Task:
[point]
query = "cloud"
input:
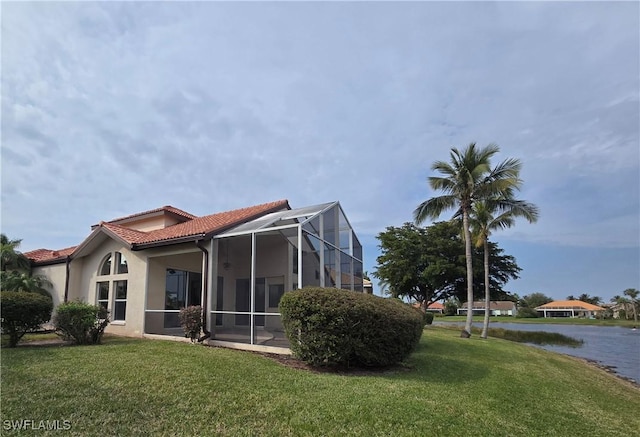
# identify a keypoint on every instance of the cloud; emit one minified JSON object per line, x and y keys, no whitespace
{"x":113,"y":108}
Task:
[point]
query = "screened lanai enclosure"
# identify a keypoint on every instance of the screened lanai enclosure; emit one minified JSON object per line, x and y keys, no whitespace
{"x":242,"y":273}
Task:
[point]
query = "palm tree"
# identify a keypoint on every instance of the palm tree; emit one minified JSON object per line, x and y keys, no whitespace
{"x":25,"y":282}
{"x":483,"y":222}
{"x":466,"y":179}
{"x":10,"y":257}
{"x":633,"y":300}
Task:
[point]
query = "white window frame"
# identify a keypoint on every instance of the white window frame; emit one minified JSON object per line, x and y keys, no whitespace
{"x":115,"y":258}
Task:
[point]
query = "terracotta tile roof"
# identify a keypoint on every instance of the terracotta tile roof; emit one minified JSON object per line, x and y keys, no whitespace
{"x":213,"y":223}
{"x":570,"y":304}
{"x":193,"y":227}
{"x":167,"y":208}
{"x":48,"y":255}
{"x":131,"y":236}
{"x":436,"y":306}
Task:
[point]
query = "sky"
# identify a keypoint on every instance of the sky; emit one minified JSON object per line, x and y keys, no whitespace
{"x":109,"y":109}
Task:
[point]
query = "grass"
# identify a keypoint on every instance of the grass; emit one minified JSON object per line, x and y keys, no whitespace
{"x":449,"y":387}
{"x":30,"y":338}
{"x":535,"y":337}
{"x":541,"y":320}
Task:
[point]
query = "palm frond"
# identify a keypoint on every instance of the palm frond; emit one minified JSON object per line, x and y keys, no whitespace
{"x":433,"y":208}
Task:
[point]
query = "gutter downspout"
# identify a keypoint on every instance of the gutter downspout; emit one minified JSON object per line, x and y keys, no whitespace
{"x":205,"y":285}
{"x":66,"y":278}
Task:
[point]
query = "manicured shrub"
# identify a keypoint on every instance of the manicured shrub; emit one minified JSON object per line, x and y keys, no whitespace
{"x":81,"y":322}
{"x":330,"y":327}
{"x":191,"y":321}
{"x":527,"y":313}
{"x":428,"y":318}
{"x":23,"y":312}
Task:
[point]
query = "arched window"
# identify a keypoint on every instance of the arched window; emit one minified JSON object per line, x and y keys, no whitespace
{"x":111,"y":290}
{"x":121,"y":264}
{"x":105,"y":267}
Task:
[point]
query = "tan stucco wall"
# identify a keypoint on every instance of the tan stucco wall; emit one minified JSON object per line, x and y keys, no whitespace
{"x":151,"y":223}
{"x":136,"y":285}
{"x":56,"y":274}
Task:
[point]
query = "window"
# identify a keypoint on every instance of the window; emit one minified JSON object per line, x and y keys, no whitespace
{"x":111,"y":290}
{"x":103,"y":294}
{"x":120,"y":301}
{"x":121,"y":264}
{"x":105,"y":267}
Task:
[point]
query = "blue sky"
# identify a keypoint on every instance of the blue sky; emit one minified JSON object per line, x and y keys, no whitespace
{"x":110,"y":109}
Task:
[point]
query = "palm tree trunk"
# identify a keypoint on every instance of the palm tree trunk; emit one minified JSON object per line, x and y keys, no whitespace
{"x":487,"y":297}
{"x":467,"y":240}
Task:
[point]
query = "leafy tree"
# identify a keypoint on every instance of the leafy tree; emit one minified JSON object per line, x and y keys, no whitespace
{"x":425,"y":264}
{"x":451,"y":306}
{"x":534,"y":300}
{"x":483,"y":222}
{"x":468,"y":177}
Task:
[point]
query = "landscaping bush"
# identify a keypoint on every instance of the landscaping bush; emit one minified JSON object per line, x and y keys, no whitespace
{"x":191,"y":321}
{"x":527,"y":313}
{"x":330,"y":327}
{"x":81,"y":322}
{"x":428,"y":318}
{"x":23,"y":312}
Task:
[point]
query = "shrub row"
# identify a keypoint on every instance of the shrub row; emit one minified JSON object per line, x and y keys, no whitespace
{"x":23,"y":312}
{"x":331,"y":327}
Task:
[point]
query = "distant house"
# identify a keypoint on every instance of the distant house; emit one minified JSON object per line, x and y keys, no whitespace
{"x":367,"y":286}
{"x":436,"y":307}
{"x":569,"y":308}
{"x":496,"y":308}
{"x":145,"y":267}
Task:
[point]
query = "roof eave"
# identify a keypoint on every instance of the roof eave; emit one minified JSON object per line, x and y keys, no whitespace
{"x":169,"y":242}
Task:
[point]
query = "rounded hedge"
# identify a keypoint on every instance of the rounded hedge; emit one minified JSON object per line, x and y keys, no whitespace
{"x":23,"y":312}
{"x":331,"y":327}
{"x":81,"y":322}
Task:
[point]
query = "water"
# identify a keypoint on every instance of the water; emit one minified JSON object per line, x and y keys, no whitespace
{"x":613,"y":346}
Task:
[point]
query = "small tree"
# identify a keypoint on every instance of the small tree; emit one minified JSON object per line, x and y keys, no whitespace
{"x":191,"y":321}
{"x":23,"y":312}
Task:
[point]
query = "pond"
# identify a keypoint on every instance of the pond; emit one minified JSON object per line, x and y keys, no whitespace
{"x":612,"y":346}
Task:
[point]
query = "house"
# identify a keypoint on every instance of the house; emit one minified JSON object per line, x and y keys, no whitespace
{"x":368,"y":286}
{"x":569,"y":308}
{"x":435,"y":307}
{"x":237,"y":264}
{"x":496,"y":308}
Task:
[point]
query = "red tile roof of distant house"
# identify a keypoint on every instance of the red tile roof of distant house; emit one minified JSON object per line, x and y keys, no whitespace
{"x":48,"y":255}
{"x":435,"y":306}
{"x":570,"y":304}
{"x":194,"y":227}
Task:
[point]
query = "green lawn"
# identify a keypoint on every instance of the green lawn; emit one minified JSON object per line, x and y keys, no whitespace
{"x":541,"y":320}
{"x":452,"y":386}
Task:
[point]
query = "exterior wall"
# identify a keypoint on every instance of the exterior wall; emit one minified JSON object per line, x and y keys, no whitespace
{"x":57,"y":274}
{"x":136,"y":285}
{"x":150,"y":223}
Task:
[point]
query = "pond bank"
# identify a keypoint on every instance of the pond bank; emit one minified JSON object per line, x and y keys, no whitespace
{"x":613,"y":347}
